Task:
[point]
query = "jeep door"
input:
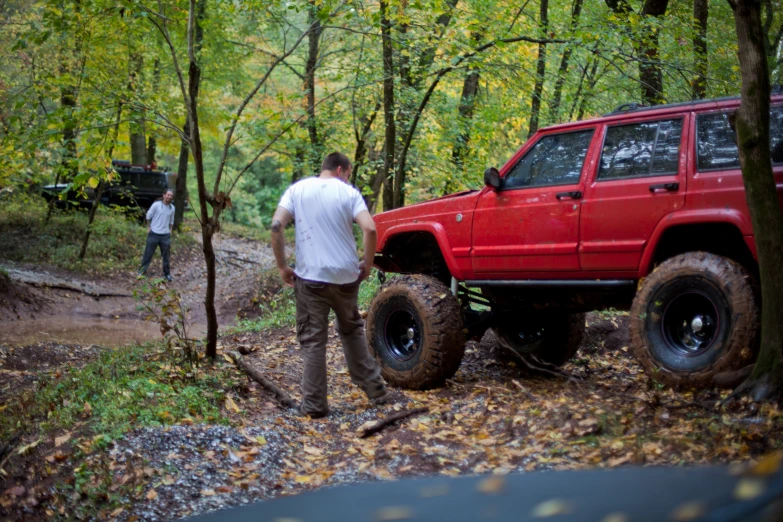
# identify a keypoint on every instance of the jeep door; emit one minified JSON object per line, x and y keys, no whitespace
{"x":639,"y":179}
{"x":531,"y":225}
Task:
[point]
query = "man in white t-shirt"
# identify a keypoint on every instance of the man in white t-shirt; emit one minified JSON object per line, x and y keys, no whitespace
{"x":160,"y":220}
{"x":327,"y":276}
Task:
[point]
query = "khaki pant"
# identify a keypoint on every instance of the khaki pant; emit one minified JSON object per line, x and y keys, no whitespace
{"x":313,"y":301}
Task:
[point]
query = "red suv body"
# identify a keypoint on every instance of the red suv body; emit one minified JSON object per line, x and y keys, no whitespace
{"x":600,"y":223}
{"x":643,"y":210}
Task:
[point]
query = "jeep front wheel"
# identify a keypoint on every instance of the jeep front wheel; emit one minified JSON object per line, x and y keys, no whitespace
{"x":552,"y":339}
{"x":415,"y":331}
{"x":694,"y":317}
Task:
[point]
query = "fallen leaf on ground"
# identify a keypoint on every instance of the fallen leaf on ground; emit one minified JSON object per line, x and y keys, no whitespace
{"x":231,"y":405}
{"x":748,"y":489}
{"x":26,"y":449}
{"x":689,"y":511}
{"x":59,"y":441}
{"x":152,"y":494}
{"x":18,"y":491}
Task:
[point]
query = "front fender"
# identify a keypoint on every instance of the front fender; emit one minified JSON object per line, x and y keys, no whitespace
{"x":437,"y":231}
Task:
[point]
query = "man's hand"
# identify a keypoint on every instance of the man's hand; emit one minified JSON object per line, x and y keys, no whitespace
{"x":287,"y":275}
{"x":365,"y":269}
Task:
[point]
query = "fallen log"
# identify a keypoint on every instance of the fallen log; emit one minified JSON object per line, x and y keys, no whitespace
{"x":257,"y":376}
{"x":375,"y":427}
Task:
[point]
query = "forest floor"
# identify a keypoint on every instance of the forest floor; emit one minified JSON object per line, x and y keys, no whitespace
{"x":91,"y":430}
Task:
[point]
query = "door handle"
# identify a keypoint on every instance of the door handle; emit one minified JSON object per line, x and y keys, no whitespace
{"x":575,"y":194}
{"x":671,"y":187}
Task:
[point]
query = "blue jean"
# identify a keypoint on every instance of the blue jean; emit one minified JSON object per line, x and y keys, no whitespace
{"x":153,"y":241}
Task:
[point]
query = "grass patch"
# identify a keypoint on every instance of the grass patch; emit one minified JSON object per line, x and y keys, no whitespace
{"x":116,"y":242}
{"x":123,"y":389}
{"x":278,"y":305}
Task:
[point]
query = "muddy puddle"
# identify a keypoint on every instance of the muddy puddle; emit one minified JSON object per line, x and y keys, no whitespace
{"x":82,"y":330}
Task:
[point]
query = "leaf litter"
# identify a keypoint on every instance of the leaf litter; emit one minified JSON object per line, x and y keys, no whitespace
{"x":488,"y":419}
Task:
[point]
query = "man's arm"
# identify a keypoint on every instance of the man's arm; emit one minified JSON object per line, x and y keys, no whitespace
{"x":279,"y":221}
{"x":150,"y":215}
{"x":366,"y":223}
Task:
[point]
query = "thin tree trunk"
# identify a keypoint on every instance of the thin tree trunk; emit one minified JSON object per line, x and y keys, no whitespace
{"x":152,"y":141}
{"x":467,"y":104}
{"x":752,"y":123}
{"x":101,"y":184}
{"x":181,"y":189}
{"x":390,"y":139}
{"x":69,"y":165}
{"x":360,"y":154}
{"x":313,"y":38}
{"x":138,"y":137}
{"x":538,"y":88}
{"x":650,"y":71}
{"x":562,"y":71}
{"x":592,"y":79}
{"x":700,"y":57}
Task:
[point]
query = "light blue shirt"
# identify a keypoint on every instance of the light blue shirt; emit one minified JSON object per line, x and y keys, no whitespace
{"x":161,"y":217}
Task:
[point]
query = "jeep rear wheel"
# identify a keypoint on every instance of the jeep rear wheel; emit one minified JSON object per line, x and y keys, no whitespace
{"x":694,"y":317}
{"x":552,"y":339}
{"x":415,"y":331}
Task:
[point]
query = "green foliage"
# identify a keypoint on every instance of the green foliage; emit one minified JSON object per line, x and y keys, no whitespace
{"x":123,"y":389}
{"x":117,"y":240}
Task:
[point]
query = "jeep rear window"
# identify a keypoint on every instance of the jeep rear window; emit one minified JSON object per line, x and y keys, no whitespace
{"x":717,"y":143}
{"x":639,"y":150}
{"x":556,"y":159}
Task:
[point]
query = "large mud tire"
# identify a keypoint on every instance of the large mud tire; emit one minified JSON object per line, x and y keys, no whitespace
{"x":695,"y":316}
{"x":556,"y":339}
{"x":424,"y":307}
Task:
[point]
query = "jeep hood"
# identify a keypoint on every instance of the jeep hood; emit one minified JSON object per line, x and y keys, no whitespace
{"x":459,"y":202}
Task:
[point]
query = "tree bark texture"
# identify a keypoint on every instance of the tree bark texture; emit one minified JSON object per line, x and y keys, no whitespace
{"x":313,"y":38}
{"x":538,"y":88}
{"x":562,"y":71}
{"x":390,"y":138}
{"x":700,"y":58}
{"x":650,"y":71}
{"x":467,"y":104}
{"x":138,"y":135}
{"x":181,"y":189}
{"x":752,"y":124}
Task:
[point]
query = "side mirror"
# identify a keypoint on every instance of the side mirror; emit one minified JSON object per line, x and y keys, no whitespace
{"x":492,"y":178}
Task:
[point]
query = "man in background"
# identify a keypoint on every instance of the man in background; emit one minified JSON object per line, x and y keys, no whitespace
{"x":327,"y":276}
{"x":160,"y":220}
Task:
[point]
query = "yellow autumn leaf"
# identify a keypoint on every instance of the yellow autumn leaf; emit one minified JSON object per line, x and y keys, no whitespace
{"x":493,"y":484}
{"x":688,"y":511}
{"x":231,"y":405}
{"x":551,"y":508}
{"x":748,"y":489}
{"x":768,"y":465}
{"x":152,"y":494}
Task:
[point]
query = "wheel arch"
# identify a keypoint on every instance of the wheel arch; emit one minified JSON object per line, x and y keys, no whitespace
{"x":722,"y":233}
{"x":417,"y":248}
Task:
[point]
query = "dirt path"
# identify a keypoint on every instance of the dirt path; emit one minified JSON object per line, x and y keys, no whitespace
{"x":54,"y":305}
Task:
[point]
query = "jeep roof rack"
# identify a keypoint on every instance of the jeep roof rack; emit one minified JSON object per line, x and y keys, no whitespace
{"x":635,"y":106}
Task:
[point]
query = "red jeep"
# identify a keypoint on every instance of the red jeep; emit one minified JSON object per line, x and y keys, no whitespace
{"x":642,"y":210}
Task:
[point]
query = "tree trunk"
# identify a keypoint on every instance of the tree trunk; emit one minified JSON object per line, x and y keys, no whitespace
{"x":360,"y":154}
{"x":562,"y":71}
{"x":592,"y":79}
{"x":752,"y":124}
{"x":538,"y":88}
{"x":152,"y":141}
{"x":467,"y":104}
{"x":650,"y":71}
{"x":390,"y":139}
{"x":101,"y":184}
{"x":138,"y":137}
{"x":313,"y":38}
{"x":700,"y":58}
{"x":181,"y":189}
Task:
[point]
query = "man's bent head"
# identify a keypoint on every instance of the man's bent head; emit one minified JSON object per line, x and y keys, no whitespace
{"x":339,"y":165}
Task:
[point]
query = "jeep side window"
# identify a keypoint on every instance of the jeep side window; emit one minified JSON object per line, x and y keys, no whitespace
{"x":717,"y":143}
{"x":641,"y":149}
{"x":556,"y":159}
{"x":776,"y":135}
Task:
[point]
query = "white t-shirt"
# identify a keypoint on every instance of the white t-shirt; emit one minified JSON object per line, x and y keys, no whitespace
{"x":161,"y":217}
{"x":324,"y":211}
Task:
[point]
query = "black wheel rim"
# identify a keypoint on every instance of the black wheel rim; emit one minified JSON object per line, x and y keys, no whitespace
{"x":525,"y":338}
{"x":403,"y":335}
{"x":690,"y":323}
